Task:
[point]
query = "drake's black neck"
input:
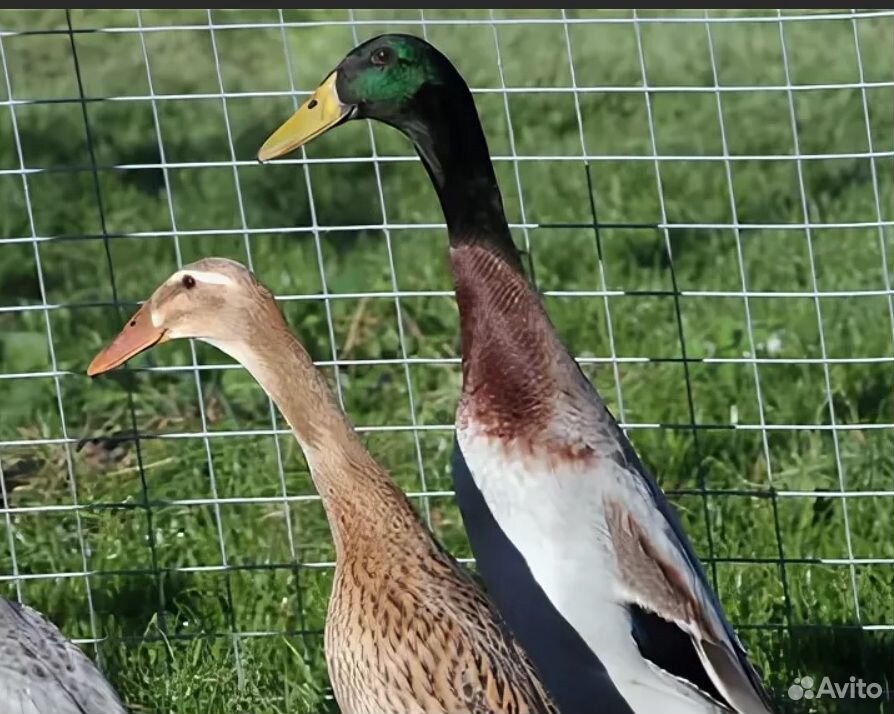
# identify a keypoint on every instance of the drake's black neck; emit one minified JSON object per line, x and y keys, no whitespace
{"x":448,"y":137}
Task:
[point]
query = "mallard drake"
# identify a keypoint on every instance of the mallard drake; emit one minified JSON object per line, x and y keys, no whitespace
{"x":564,"y":520}
{"x":41,"y":671}
{"x":408,"y":630}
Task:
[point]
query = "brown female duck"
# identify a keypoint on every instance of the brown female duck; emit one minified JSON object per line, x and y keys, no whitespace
{"x":408,"y":631}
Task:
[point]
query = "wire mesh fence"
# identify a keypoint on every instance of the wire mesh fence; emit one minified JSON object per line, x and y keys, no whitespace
{"x":704,"y":200}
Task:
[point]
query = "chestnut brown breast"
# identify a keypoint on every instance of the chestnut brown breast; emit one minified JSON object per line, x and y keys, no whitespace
{"x":507,"y":346}
{"x":520,"y":385}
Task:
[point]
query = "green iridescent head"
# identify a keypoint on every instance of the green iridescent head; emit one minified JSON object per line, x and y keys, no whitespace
{"x":398,"y":79}
{"x":403,"y":81}
{"x":387,"y":72}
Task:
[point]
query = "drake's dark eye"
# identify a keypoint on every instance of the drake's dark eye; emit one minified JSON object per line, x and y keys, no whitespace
{"x":381,"y":56}
{"x":189,"y":282}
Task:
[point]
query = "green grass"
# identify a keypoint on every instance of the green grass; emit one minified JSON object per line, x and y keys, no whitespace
{"x":162,"y":614}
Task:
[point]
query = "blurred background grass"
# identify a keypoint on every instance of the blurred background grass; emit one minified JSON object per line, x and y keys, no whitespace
{"x":187,"y":540}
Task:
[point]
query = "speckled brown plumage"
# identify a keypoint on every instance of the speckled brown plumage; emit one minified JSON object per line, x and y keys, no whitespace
{"x":408,"y":630}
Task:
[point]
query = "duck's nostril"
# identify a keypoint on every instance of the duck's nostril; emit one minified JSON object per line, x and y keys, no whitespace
{"x":133,"y":322}
{"x":312,"y":103}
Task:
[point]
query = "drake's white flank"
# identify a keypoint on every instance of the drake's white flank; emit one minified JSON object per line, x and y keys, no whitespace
{"x":566,"y":544}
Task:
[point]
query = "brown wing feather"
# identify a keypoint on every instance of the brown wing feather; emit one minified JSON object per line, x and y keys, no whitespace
{"x":664,"y":588}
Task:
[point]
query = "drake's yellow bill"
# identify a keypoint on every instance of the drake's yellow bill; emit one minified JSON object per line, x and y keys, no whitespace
{"x":321,"y":112}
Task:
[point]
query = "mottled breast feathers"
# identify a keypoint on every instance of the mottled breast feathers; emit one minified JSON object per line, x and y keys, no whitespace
{"x":410,"y":632}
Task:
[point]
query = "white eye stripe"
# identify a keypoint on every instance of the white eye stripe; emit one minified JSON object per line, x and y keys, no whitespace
{"x":202,"y":277}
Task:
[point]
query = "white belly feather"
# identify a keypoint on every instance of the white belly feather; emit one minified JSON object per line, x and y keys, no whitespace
{"x":552,"y":510}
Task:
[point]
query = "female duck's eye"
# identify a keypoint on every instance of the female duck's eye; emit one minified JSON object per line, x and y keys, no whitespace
{"x":189,"y":282}
{"x":381,"y":56}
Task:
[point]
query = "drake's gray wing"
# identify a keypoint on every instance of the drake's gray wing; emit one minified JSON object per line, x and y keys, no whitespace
{"x":665,"y":577}
{"x":42,"y":672}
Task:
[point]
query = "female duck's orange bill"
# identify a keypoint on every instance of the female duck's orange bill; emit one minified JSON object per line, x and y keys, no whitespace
{"x":138,"y":335}
{"x":321,"y":112}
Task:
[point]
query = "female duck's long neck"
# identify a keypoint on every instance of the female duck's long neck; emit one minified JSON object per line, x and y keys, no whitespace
{"x":451,"y":143}
{"x":362,"y":503}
